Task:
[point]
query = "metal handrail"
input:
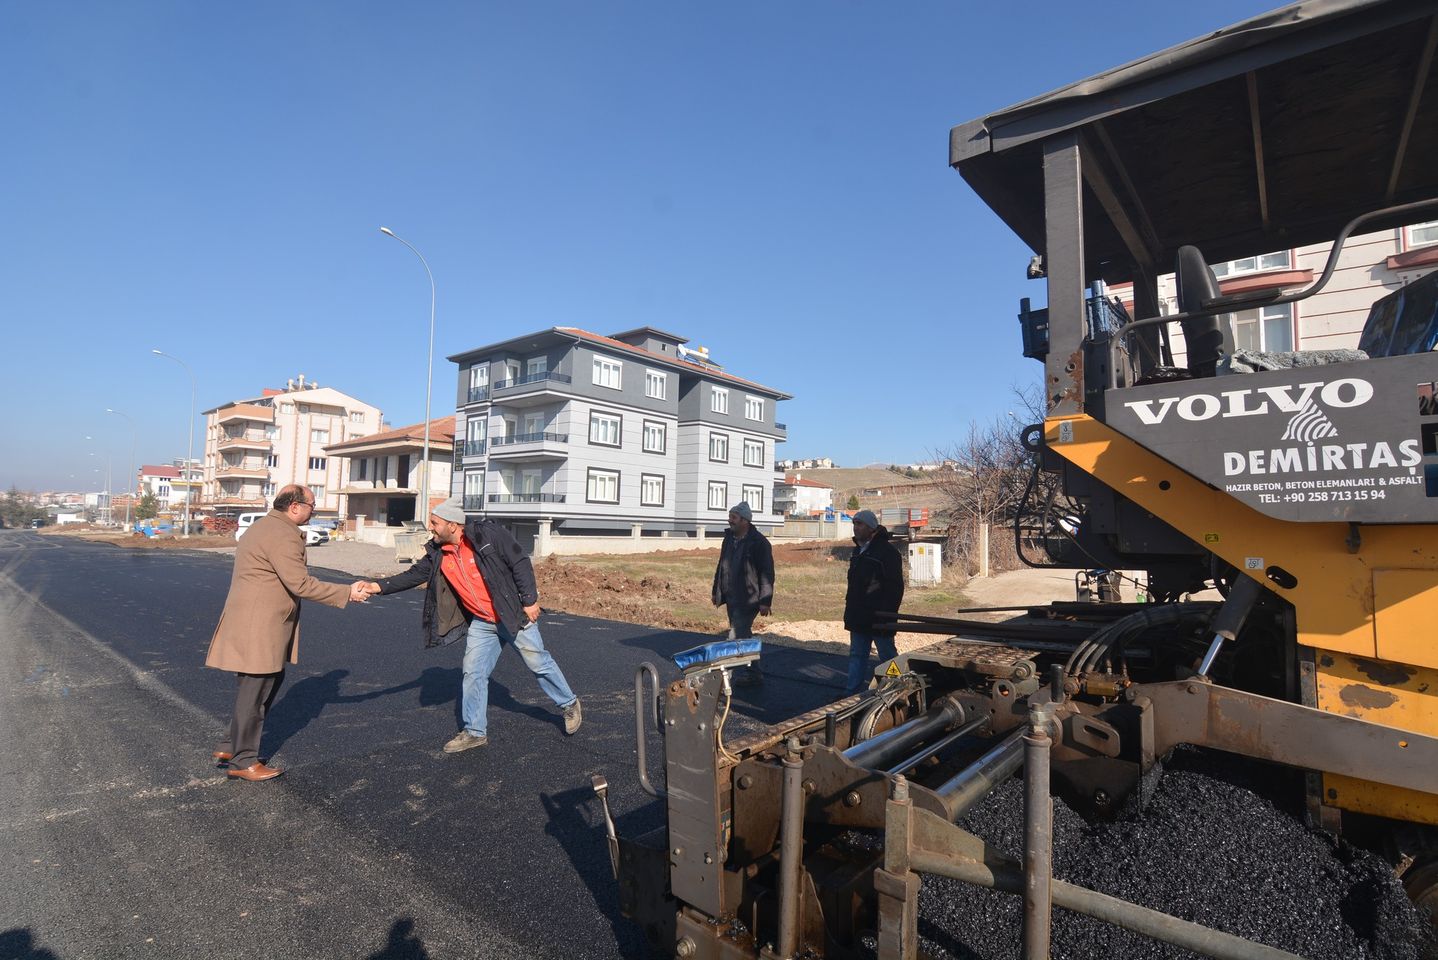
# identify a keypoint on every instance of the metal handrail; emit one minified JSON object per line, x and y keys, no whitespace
{"x":1213,"y":306}
{"x":533,"y":378}
{"x":526,"y":498}
{"x":530,"y":438}
{"x":640,"y":753}
{"x":476,"y":394}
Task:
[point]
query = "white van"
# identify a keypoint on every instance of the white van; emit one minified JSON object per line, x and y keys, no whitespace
{"x":314,"y":536}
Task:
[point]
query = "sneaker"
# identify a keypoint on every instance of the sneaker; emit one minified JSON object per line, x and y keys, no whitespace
{"x":573,"y":716}
{"x":464,"y":740}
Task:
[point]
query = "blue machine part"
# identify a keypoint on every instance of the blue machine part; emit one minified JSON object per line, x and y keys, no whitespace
{"x":716,"y":650}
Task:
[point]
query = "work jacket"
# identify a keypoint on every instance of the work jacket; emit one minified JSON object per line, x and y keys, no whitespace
{"x":752,"y":556}
{"x":507,"y":573}
{"x":876,"y":584}
{"x":259,"y":629}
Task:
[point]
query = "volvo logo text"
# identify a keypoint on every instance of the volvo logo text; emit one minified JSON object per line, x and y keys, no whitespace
{"x":1348,"y":392}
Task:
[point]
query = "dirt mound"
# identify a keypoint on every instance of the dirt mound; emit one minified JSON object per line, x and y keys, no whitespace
{"x":590,"y":591}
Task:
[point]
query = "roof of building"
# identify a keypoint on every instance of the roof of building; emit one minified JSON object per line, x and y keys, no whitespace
{"x":650,"y":331}
{"x":441,"y":434}
{"x":150,"y":470}
{"x":532,"y":341}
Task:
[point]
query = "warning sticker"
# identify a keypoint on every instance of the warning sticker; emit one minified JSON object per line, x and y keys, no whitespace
{"x":893,"y":670}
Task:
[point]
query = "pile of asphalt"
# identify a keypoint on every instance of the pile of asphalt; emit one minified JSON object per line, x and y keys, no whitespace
{"x":1218,"y":844}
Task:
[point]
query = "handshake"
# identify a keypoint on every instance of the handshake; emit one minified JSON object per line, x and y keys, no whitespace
{"x":362,"y":590}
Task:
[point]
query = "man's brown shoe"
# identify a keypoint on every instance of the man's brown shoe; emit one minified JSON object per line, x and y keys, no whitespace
{"x":464,"y":740}
{"x":255,"y":772}
{"x":221,"y":755}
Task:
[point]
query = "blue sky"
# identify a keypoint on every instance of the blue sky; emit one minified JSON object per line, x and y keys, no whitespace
{"x":769,"y":179}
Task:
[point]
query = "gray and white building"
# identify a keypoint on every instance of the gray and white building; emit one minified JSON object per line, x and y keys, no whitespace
{"x":564,"y":432}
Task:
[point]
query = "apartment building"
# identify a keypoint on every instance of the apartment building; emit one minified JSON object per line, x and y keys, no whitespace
{"x":568,"y":432}
{"x":253,"y":447}
{"x":1369,"y":267}
{"x":381,"y":482}
{"x":168,"y":483}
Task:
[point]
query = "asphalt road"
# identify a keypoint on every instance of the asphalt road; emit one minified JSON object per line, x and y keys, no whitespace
{"x":122,"y":839}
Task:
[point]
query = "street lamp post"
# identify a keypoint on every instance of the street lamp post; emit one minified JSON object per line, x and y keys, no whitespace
{"x":190,"y":451}
{"x":134,"y":442}
{"x":421,"y":508}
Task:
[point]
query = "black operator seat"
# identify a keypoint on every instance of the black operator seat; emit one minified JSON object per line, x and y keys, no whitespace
{"x":1206,"y":339}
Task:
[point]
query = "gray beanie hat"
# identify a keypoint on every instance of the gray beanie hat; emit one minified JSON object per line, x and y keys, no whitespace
{"x":451,"y":510}
{"x":742,"y":508}
{"x":867,"y":518}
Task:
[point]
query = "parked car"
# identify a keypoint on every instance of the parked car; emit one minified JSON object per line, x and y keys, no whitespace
{"x":37,"y":523}
{"x":314,"y":536}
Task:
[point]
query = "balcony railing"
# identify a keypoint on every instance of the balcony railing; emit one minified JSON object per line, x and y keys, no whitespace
{"x":525,"y":498}
{"x":533,"y":378}
{"x":473,"y":448}
{"x":780,"y":426}
{"x":242,"y":470}
{"x":531,"y":438}
{"x":477,"y":394}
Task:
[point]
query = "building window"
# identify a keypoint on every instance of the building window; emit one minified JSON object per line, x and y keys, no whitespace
{"x":651,"y":490}
{"x":718,"y":495}
{"x":272,"y":433}
{"x":754,"y":408}
{"x":654,"y":436}
{"x":1422,"y":234}
{"x":479,"y":376}
{"x":356,"y":416}
{"x":608,"y":373}
{"x":536,"y":366}
{"x":477,"y":429}
{"x":1267,"y":261}
{"x":718,"y":400}
{"x":286,"y":407}
{"x":655,"y":384}
{"x":267,"y":489}
{"x":363,"y":464}
{"x":603,"y":486}
{"x":753,"y":453}
{"x":317,"y":490}
{"x":754,"y":496}
{"x":317,"y":463}
{"x":1266,"y":329}
{"x":319,"y":436}
{"x":719,"y":447}
{"x":604,"y":429}
{"x":273,"y":460}
{"x":474,"y":483}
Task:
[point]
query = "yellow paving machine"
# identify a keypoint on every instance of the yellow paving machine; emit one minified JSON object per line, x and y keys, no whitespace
{"x":1302,"y":485}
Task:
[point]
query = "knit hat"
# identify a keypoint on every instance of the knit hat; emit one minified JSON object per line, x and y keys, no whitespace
{"x":451,"y":510}
{"x":742,"y":508}
{"x":867,"y":518}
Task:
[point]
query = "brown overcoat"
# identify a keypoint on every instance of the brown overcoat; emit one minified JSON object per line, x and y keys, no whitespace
{"x":260,"y":626}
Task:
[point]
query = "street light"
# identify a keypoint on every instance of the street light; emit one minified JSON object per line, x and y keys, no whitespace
{"x":421,"y":508}
{"x":189,"y":453}
{"x":134,"y":442}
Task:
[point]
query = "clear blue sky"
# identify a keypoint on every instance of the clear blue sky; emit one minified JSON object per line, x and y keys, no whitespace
{"x":767,"y":178}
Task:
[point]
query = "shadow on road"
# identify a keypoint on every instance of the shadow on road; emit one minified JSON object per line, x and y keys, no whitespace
{"x":18,"y":943}
{"x":403,"y":944}
{"x":576,"y":824}
{"x":306,"y":700}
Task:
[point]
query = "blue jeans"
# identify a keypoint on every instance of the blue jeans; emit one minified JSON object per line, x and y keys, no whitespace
{"x":481,"y":651}
{"x":859,"y":644}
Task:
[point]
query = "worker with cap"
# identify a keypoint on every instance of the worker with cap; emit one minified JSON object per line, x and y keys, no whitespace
{"x":744,"y":579}
{"x":876,"y":585}
{"x":480,"y":586}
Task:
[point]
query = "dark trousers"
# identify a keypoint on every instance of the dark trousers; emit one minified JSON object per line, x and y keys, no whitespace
{"x":254,"y":692}
{"x":741,"y":620}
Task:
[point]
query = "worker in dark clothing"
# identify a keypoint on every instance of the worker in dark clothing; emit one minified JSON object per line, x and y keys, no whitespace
{"x":744,"y":579}
{"x":876,"y":584}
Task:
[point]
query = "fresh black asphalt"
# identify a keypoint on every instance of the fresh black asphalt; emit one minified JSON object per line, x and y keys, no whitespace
{"x":126,"y":840}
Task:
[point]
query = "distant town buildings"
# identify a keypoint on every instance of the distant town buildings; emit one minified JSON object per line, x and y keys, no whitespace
{"x":797,"y":496}
{"x":816,"y":463}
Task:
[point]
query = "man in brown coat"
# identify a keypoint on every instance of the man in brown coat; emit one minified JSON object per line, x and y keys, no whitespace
{"x":259,"y":629}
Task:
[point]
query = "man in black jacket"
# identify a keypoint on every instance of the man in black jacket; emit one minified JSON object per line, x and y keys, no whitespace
{"x":480,"y":586}
{"x":876,"y":584}
{"x":744,"y":579}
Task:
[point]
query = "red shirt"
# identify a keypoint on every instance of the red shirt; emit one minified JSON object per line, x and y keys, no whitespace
{"x":459,"y":568}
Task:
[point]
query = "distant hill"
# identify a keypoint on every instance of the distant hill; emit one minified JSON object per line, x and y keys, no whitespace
{"x":897,"y":491}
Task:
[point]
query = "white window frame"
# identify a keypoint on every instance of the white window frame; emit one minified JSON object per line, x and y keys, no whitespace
{"x":595,"y":480}
{"x":479,"y":376}
{"x":319,"y":436}
{"x":287,"y":406}
{"x":663,"y":430}
{"x":656,"y":384}
{"x":477,"y":429}
{"x":267,"y":489}
{"x":647,"y":483}
{"x":536,"y":365}
{"x":474,"y":483}
{"x":272,"y":460}
{"x":317,"y":490}
{"x":356,"y":416}
{"x":1260,"y":263}
{"x":1261,"y":317}
{"x":754,"y":496}
{"x":272,"y":433}
{"x":317,"y":463}
{"x":605,"y":370}
{"x":718,"y":495}
{"x":751,"y":444}
{"x":720,"y":440}
{"x":754,"y":408}
{"x":1411,"y":238}
{"x":596,"y":419}
{"x":718,"y":400}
